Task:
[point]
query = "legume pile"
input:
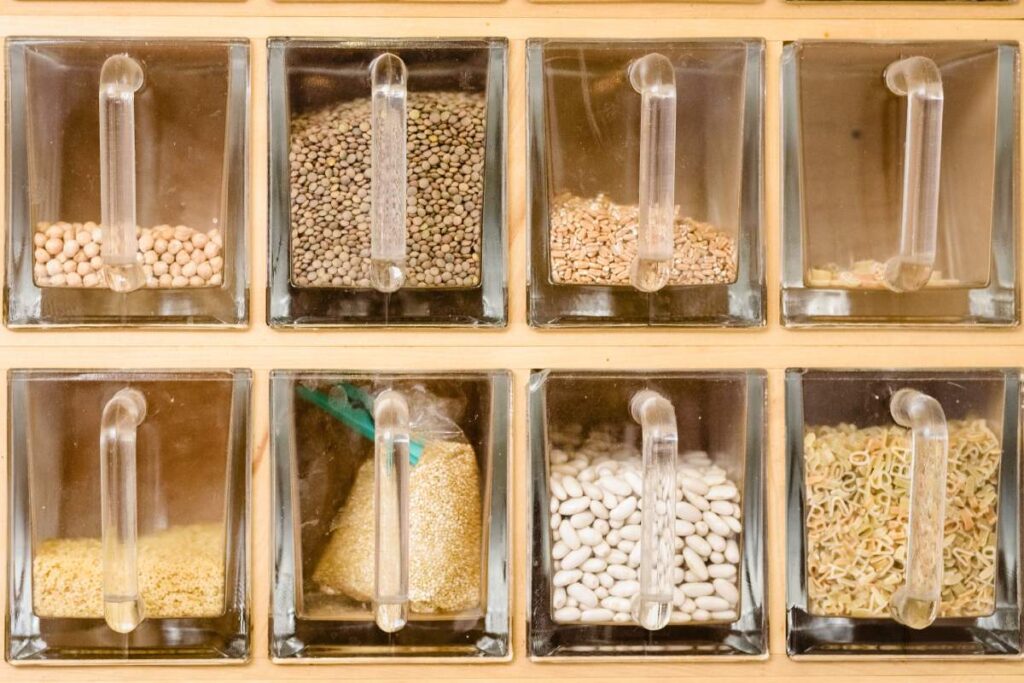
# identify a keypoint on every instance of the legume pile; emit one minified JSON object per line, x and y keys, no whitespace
{"x":596,"y":490}
{"x":593,"y":242}
{"x":330,"y":163}
{"x":858,"y":505}
{"x":68,"y":255}
{"x":866,"y":274}
{"x":181,"y":574}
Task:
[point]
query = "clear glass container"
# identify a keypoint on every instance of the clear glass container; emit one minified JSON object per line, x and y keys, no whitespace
{"x":903,"y":513}
{"x":127,"y":196}
{"x":421,"y":239}
{"x":646,"y":514}
{"x":645,"y":197}
{"x":390,"y":500}
{"x":129,"y":513}
{"x":900,"y":208}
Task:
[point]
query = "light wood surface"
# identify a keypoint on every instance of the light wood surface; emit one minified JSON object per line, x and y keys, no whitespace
{"x":517,"y":347}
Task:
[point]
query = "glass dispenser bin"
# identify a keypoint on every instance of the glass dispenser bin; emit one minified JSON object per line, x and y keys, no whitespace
{"x":387,"y":187}
{"x":900,"y":183}
{"x":903,"y":513}
{"x":645,"y":198}
{"x":646,"y":514}
{"x":390,"y":505}
{"x":127,"y":182}
{"x":128,"y":516}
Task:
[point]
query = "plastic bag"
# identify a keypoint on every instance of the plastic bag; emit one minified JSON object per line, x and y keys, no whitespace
{"x":445,"y":515}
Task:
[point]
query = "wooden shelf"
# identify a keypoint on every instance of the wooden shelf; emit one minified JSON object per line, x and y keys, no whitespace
{"x":518,"y":347}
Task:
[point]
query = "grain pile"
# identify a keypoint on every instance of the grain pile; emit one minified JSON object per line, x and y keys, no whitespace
{"x":864,"y":274}
{"x":330,"y":162}
{"x":593,"y":242}
{"x":445,"y":531}
{"x":858,"y":505}
{"x":68,"y":255}
{"x":181,"y":574}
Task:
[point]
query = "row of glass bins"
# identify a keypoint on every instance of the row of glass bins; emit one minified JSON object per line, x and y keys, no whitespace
{"x":128,"y":202}
{"x":130,"y":530}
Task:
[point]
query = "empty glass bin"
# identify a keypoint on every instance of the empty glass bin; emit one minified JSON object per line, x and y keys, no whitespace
{"x":387,"y":186}
{"x":645,"y":177}
{"x":128,"y":516}
{"x":390,"y":503}
{"x":903,"y":518}
{"x":899,"y":183}
{"x":127,"y":196}
{"x":646,"y":514}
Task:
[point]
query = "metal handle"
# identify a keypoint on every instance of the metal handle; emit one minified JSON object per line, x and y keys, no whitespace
{"x":652,"y":605}
{"x":120,"y":78}
{"x":123,"y":609}
{"x":388,"y":182}
{"x":919,"y":79}
{"x":653,"y":76}
{"x":391,"y":505}
{"x":916,"y":603}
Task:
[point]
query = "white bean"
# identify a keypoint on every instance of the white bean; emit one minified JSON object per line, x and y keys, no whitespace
{"x":559,"y":550}
{"x":635,"y":482}
{"x":577,"y":557}
{"x":721,"y":492}
{"x":698,"y":544}
{"x":589,"y":536}
{"x":727,"y":591}
{"x":716,"y":542}
{"x":696,"y":590}
{"x":558,"y":598}
{"x":717,"y":524}
{"x":684,"y":528}
{"x":630,"y":532}
{"x":573,"y":505}
{"x":621,"y":572}
{"x":585,"y":596}
{"x":694,"y":486}
{"x":616,"y":604}
{"x":711,"y":603}
{"x":615,"y":485}
{"x":598,"y":508}
{"x":721,"y":507}
{"x":724,"y":615}
{"x":617,"y":557}
{"x":695,"y":564}
{"x":569,"y":535}
{"x":566,"y":577}
{"x":572,"y":487}
{"x":696,"y":501}
{"x":590,"y":581}
{"x":581,"y":519}
{"x":567,"y":614}
{"x":625,"y":589}
{"x":623,"y":509}
{"x":722,"y":571}
{"x":591,"y":616}
{"x":732,"y":552}
{"x":687,"y":512}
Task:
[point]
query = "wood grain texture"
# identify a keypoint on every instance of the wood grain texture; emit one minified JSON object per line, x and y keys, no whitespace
{"x":518,"y":347}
